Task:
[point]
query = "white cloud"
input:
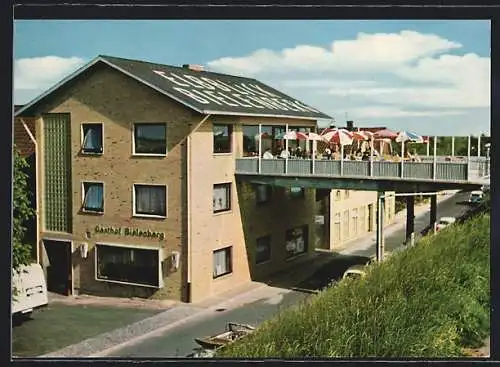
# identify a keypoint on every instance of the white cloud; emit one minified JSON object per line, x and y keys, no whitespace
{"x":33,"y":75}
{"x":397,"y":75}
{"x":367,"y":53}
{"x":378,"y":111}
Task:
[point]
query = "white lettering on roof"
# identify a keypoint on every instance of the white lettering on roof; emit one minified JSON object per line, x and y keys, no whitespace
{"x":205,"y":90}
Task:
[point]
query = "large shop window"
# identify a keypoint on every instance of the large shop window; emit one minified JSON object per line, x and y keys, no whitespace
{"x":135,"y":266}
{"x":296,"y":241}
{"x":222,"y":262}
{"x":263,"y":250}
{"x":222,"y":197}
{"x":93,"y":197}
{"x":150,"y":200}
{"x":92,"y":138}
{"x":222,"y":138}
{"x":150,"y":138}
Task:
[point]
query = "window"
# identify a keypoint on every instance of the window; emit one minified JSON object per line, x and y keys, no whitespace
{"x":222,"y":262}
{"x":347,"y":193}
{"x":93,"y":197}
{"x":296,"y":192}
{"x":150,"y":138}
{"x":355,"y":221}
{"x":337,"y":227}
{"x":263,"y":193}
{"x":222,"y":138}
{"x":345,"y":233}
{"x":296,"y":241}
{"x":150,"y":200}
{"x":92,"y":138}
{"x":222,"y":197}
{"x":250,"y":140}
{"x":137,"y":266}
{"x":263,"y":250}
{"x":362,"y":220}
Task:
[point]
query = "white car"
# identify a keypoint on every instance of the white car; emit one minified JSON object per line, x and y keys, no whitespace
{"x":445,"y":222}
{"x":475,"y":197}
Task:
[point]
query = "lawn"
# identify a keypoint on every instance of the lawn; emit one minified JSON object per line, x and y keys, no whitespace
{"x":429,"y":301}
{"x":58,"y":326}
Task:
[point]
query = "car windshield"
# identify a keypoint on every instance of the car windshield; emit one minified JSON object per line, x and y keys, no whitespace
{"x":445,"y":222}
{"x":353,"y":275}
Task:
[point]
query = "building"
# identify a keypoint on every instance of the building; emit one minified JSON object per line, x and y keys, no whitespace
{"x":136,"y":192}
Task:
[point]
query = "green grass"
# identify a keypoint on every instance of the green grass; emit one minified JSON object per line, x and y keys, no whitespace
{"x":428,"y":301}
{"x":58,"y":326}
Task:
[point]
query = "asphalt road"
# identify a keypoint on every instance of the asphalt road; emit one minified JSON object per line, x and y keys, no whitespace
{"x":179,"y":342}
{"x":451,"y":207}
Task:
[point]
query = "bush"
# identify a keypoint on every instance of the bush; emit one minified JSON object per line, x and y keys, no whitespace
{"x":428,"y":301}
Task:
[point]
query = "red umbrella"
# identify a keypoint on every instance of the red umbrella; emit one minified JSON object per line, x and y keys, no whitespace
{"x":295,"y":135}
{"x":385,"y":133}
{"x":338,"y":136}
{"x":327,"y":130}
{"x":362,"y":135}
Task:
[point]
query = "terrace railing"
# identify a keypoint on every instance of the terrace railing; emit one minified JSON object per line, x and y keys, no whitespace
{"x":440,"y":169}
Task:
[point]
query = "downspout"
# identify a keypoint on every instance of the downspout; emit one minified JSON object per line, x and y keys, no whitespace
{"x":188,"y":206}
{"x":36,"y":190}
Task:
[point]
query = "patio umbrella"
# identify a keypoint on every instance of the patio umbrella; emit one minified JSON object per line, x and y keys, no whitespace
{"x":314,"y":137}
{"x":295,"y":135}
{"x":385,"y":133}
{"x":327,"y":130}
{"x":338,"y":136}
{"x":409,"y":136}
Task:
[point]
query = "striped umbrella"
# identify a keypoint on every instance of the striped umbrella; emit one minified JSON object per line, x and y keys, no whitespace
{"x":314,"y":136}
{"x":404,"y":136}
{"x":338,"y":136}
{"x":385,"y":133}
{"x":362,"y":135}
{"x":295,"y":135}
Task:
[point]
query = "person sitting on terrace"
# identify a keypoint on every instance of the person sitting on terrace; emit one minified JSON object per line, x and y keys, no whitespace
{"x":327,"y":153}
{"x":267,"y":154}
{"x":284,"y":154}
{"x":298,"y":152}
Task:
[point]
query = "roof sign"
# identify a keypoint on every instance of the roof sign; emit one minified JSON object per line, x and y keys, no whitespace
{"x":206,"y":91}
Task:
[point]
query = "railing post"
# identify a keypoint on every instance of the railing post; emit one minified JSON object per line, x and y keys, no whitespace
{"x":479,"y":145}
{"x":453,"y":146}
{"x":286,"y":148}
{"x":341,"y":159}
{"x":260,"y":149}
{"x":468,"y":157}
{"x":313,"y":155}
{"x":402,"y":157}
{"x":371,"y":157}
{"x":434,"y":163}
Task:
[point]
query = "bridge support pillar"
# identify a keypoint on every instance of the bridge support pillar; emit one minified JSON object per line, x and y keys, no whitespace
{"x":380,"y":226}
{"x":433,"y":213}
{"x":410,"y":219}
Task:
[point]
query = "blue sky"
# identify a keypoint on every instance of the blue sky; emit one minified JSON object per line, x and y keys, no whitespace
{"x":427,"y":76}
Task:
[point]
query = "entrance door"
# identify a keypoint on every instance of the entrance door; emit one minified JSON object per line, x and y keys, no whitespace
{"x":370,"y":217}
{"x":59,"y":266}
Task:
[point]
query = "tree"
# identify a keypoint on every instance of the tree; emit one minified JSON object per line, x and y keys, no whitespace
{"x":22,"y":212}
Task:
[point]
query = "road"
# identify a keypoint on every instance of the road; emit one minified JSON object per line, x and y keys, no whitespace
{"x":179,"y":342}
{"x":451,"y":207}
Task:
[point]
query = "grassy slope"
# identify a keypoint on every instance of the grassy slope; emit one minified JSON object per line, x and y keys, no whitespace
{"x":428,"y":301}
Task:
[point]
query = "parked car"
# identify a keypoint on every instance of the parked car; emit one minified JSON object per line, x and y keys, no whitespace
{"x":355,"y":272}
{"x":475,"y":197}
{"x":29,"y":290}
{"x":445,"y":222}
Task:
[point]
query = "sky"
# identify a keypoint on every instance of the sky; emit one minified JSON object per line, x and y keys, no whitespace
{"x":431,"y":77}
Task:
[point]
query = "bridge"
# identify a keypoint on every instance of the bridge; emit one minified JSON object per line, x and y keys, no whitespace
{"x":430,"y":175}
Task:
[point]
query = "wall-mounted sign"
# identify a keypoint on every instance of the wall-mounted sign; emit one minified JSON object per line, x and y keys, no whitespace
{"x":126,"y":231}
